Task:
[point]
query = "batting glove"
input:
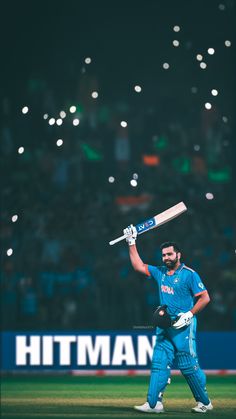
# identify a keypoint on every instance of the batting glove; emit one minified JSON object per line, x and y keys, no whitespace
{"x":131,"y":234}
{"x":183,"y":319}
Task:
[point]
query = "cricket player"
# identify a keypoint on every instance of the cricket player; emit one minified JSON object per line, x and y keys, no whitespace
{"x":182,"y":290}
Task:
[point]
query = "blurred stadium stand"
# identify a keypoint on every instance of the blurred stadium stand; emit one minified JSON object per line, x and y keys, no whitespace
{"x":62,"y":273}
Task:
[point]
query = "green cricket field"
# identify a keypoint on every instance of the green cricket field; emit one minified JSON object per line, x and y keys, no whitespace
{"x":65,"y":396}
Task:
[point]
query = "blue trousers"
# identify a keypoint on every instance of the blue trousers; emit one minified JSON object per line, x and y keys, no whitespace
{"x":178,"y":345}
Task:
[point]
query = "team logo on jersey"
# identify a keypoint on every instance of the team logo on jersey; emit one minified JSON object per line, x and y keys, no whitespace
{"x":200,"y":284}
{"x":176,"y":280}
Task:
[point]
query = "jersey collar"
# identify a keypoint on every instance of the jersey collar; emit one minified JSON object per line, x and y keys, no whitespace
{"x":179,"y":269}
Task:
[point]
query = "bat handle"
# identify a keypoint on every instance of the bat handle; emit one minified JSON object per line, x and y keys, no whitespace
{"x":117,"y":240}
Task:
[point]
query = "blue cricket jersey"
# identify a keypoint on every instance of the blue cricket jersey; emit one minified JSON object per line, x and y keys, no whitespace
{"x":177,"y":291}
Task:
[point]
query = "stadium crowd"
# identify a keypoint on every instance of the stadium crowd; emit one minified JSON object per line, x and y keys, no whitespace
{"x":73,"y":199}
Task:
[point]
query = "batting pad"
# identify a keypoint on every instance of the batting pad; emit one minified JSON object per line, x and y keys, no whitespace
{"x":194,"y":376}
{"x":160,"y":374}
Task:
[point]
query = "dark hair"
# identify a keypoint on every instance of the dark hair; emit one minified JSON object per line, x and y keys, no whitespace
{"x":168,"y":244}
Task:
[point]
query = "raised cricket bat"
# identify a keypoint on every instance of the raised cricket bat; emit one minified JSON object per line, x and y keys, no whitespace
{"x":156,"y":221}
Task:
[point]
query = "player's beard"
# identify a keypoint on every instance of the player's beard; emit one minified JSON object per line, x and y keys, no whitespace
{"x":171,"y":264}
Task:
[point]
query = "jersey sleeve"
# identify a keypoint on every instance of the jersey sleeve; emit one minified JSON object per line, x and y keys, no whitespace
{"x":154,"y":272}
{"x":196,"y":285}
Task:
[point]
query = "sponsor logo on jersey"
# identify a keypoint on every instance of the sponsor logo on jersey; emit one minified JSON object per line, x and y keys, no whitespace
{"x":166,"y":289}
{"x":200,"y":284}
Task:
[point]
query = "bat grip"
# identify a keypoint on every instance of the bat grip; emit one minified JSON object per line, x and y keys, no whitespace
{"x":117,"y":240}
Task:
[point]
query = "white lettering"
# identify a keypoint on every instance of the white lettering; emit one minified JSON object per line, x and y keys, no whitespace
{"x":123,"y":351}
{"x":47,"y":350}
{"x":65,"y":348}
{"x":22,"y":349}
{"x":90,"y":350}
{"x":85,"y":347}
{"x":145,"y":349}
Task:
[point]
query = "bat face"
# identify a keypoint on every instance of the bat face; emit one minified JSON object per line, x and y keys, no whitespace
{"x":146,"y":225}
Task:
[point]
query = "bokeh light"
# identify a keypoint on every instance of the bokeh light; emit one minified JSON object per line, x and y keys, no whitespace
{"x":25,"y":110}
{"x":62,"y":114}
{"x":211,"y":51}
{"x":72,"y":109}
{"x":214,"y":92}
{"x":176,"y":43}
{"x":9,"y":252}
{"x":14,"y":218}
{"x":199,"y":57}
{"x":51,"y":121}
{"x":208,"y":105}
{"x":21,"y":150}
{"x":59,"y":142}
{"x":123,"y":124}
{"x":133,"y":183}
{"x":94,"y":95}
{"x":221,"y":6}
{"x":176,"y":28}
{"x":166,"y":66}
{"x":76,"y":122}
{"x":209,"y":196}
{"x":59,"y":121}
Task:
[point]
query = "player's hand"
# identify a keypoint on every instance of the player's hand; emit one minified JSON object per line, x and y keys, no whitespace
{"x":131,"y":234}
{"x":183,"y":319}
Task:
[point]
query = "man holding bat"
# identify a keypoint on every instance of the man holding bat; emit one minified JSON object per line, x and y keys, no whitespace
{"x":182,"y":295}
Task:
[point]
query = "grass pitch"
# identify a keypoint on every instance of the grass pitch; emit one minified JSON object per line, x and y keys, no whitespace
{"x":36,"y":397}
